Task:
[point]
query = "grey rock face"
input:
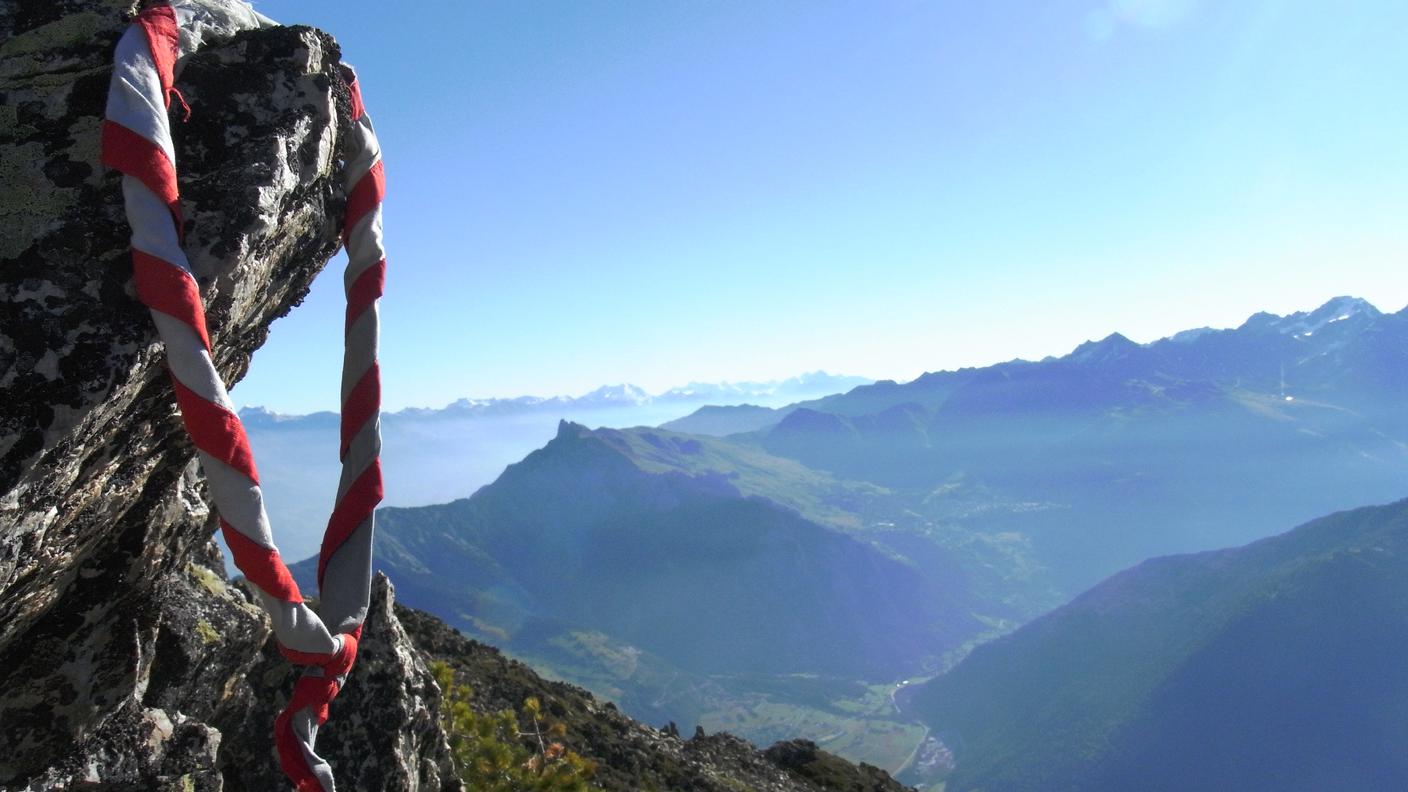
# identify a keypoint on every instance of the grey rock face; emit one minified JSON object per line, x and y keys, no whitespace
{"x":384,"y":731}
{"x":119,"y":639}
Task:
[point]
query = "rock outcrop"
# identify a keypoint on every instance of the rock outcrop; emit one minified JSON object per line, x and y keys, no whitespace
{"x":127,"y":659}
{"x":116,"y":643}
{"x":384,"y":732}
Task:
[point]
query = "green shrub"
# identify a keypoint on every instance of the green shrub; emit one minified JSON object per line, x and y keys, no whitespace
{"x":489,"y":749}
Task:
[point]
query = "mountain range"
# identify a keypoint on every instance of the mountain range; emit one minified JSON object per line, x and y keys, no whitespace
{"x":438,"y":455}
{"x":604,"y":397}
{"x":1267,"y":354}
{"x":1121,"y":451}
{"x":795,"y":571}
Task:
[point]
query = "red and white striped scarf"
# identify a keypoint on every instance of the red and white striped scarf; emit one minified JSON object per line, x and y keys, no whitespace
{"x":136,"y":140}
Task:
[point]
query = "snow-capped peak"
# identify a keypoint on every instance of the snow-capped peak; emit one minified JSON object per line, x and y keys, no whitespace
{"x":1337,"y":310}
{"x":624,"y":393}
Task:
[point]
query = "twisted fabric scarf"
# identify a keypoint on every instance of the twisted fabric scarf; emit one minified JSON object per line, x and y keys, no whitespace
{"x":136,"y":140}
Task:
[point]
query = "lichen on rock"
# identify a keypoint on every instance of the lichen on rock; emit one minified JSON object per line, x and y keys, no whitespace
{"x":384,"y":732}
{"x":104,"y":539}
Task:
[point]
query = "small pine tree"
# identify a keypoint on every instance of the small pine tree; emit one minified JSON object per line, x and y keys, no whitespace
{"x":488,"y":749}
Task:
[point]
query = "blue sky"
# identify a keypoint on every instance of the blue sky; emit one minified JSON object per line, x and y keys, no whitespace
{"x":660,"y":191}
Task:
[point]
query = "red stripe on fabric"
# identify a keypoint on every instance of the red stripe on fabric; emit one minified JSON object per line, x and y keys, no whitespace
{"x":333,"y":663}
{"x":310,"y":692}
{"x":361,"y":406}
{"x":163,"y":286}
{"x":346,"y":656}
{"x":364,"y":197}
{"x":354,"y":90}
{"x":367,"y":289}
{"x":313,"y":693}
{"x":130,"y":153}
{"x":361,"y":498}
{"x":262,"y":565}
{"x":216,"y":431}
{"x":306,"y":658}
{"x":158,"y":22}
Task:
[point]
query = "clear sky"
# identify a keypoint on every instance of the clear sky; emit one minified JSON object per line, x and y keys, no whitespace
{"x":658,"y":191}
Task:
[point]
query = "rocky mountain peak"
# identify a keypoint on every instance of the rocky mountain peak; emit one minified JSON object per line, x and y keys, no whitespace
{"x":1106,"y":349}
{"x":624,"y":393}
{"x":1337,"y":310}
{"x":1307,"y":323}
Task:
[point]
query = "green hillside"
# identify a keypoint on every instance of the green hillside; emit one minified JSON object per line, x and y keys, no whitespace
{"x":1275,"y":666}
{"x":595,"y":532}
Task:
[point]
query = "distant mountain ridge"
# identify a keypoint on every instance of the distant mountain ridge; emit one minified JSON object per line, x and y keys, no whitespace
{"x":1293,"y":355}
{"x":439,"y":455}
{"x":606,"y":396}
{"x":1303,"y":410}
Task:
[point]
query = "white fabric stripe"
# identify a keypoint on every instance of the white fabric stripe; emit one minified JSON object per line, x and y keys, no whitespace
{"x":363,"y":247}
{"x":242,"y":502}
{"x":190,"y":362}
{"x":367,"y":155}
{"x":153,"y":231}
{"x":199,"y":20}
{"x":134,"y":98}
{"x":344,"y":606}
{"x":359,"y":352}
{"x":361,"y":453}
{"x":305,"y":725}
{"x":296,"y":625}
{"x":346,"y":587}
